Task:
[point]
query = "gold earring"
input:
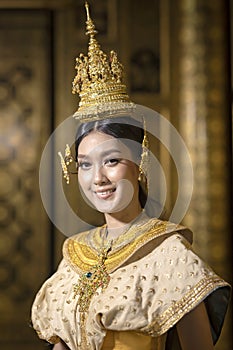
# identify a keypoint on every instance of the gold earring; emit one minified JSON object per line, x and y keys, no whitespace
{"x":144,"y":163}
{"x":65,"y":162}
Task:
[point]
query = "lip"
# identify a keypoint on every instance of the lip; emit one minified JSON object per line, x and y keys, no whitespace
{"x":105,"y":193}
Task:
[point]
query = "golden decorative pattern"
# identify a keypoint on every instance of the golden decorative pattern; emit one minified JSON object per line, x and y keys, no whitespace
{"x":153,"y":301}
{"x":98,"y":80}
{"x":89,"y":282}
{"x":203,"y":78}
{"x":83,"y":257}
{"x":202,"y":71}
{"x":24,"y":128}
{"x":181,"y":307}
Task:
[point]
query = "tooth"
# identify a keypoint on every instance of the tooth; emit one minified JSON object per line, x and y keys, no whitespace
{"x":105,"y":192}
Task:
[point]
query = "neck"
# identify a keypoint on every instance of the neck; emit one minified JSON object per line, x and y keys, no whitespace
{"x":120,"y":219}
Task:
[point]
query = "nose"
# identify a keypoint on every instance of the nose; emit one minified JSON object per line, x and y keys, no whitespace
{"x":99,"y":176}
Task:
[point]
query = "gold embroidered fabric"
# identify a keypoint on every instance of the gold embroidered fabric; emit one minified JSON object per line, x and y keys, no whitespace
{"x":83,"y":256}
{"x":147,"y":296}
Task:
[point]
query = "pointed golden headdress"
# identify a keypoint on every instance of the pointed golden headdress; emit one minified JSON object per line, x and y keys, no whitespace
{"x":99,"y":81}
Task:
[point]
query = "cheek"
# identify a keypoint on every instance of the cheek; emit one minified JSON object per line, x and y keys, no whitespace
{"x":113,"y":174}
{"x":129,"y":172}
{"x":84,"y":179}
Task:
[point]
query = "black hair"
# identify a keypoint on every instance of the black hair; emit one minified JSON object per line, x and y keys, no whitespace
{"x":121,"y":127}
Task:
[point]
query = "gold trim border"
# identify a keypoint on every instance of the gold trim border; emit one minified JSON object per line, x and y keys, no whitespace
{"x":82,"y":257}
{"x":181,"y":307}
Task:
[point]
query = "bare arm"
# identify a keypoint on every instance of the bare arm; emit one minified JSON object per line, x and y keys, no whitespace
{"x":194,"y":330}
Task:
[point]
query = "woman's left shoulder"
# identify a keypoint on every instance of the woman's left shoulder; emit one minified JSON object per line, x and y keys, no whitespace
{"x":163,"y":229}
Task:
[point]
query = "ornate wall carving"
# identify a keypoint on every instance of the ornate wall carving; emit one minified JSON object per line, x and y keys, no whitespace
{"x":201,"y":111}
{"x":24,"y":126}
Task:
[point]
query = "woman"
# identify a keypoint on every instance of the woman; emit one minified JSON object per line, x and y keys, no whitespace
{"x":133,"y":283}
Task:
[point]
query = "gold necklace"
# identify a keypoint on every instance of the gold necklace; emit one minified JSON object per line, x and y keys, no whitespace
{"x":87,"y":286}
{"x":90,"y":281}
{"x":98,"y":276}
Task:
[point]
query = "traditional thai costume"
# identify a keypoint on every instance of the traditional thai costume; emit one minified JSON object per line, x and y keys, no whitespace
{"x":130,"y":294}
{"x":155,"y":278}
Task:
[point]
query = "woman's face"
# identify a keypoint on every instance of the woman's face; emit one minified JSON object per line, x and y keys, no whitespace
{"x":107,"y":173}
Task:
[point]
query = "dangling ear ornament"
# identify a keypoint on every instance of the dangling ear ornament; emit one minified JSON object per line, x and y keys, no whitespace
{"x":65,"y":162}
{"x":144,"y":163}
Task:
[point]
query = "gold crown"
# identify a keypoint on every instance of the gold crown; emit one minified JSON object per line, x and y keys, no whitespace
{"x":99,"y":81}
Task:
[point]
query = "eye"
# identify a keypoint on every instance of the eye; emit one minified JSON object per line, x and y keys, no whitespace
{"x":111,"y":162}
{"x":84,"y":165}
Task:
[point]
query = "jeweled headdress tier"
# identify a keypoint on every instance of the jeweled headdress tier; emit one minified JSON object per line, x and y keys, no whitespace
{"x":99,"y":81}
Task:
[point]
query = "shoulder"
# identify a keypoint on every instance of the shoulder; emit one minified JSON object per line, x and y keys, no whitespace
{"x":148,"y":237}
{"x":155,"y":231}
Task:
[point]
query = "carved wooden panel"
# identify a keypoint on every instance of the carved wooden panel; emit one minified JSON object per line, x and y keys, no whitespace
{"x":201,"y":91}
{"x":24,"y":126}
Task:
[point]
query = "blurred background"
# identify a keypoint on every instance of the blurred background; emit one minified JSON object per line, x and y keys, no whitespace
{"x":177,"y":57}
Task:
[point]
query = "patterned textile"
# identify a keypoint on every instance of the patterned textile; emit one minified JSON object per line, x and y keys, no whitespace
{"x":155,"y":279}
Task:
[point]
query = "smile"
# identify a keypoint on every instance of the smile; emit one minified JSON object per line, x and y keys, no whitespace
{"x":105,"y":194}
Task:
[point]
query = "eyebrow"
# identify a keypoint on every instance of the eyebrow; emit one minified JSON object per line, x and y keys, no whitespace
{"x":103,"y":154}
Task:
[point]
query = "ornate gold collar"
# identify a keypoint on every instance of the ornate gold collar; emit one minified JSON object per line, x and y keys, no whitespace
{"x":81,"y":251}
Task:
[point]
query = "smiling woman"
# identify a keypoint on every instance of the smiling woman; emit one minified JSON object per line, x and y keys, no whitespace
{"x":135,"y":282}
{"x":108,"y":169}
